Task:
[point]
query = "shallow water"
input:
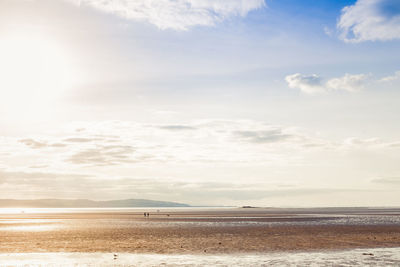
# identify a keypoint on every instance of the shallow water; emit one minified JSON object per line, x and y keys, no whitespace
{"x":356,"y":257}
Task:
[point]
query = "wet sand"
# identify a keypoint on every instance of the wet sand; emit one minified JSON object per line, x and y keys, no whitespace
{"x":195,"y":231}
{"x":357,"y":257}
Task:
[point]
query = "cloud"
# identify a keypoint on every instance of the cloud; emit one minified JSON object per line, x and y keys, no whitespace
{"x":370,"y":20}
{"x":313,"y":84}
{"x":391,"y":78}
{"x":127,"y":144}
{"x":28,"y":185}
{"x":78,"y":140}
{"x":351,"y":83}
{"x":32,"y":177}
{"x":104,"y":155}
{"x":387,"y":180}
{"x":175,"y":14}
{"x":212,"y":162}
{"x":25,"y":185}
{"x":394,"y":144}
{"x":123,"y":144}
{"x":177,"y":127}
{"x":33,"y":143}
{"x":198,"y":192}
{"x":370,"y":143}
{"x":353,"y":142}
{"x":269,"y":136}
{"x":328,"y":31}
{"x":309,"y":84}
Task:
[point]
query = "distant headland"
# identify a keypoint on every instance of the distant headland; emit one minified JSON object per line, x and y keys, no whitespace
{"x":85,"y":203}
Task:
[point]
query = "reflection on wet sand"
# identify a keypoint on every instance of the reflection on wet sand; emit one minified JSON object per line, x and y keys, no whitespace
{"x":27,"y":227}
{"x":355,"y":257}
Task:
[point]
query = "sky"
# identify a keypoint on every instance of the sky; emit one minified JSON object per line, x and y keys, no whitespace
{"x":207,"y":102}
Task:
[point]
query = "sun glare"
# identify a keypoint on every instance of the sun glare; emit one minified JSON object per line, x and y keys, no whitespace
{"x":34,"y":71}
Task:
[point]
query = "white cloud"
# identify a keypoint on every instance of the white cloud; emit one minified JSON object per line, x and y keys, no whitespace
{"x":125,"y":144}
{"x":391,"y":78}
{"x":351,"y":83}
{"x":366,"y":142}
{"x":328,"y":31}
{"x":309,"y":84}
{"x":124,"y":159}
{"x":312,"y":84}
{"x":175,"y":14}
{"x":136,"y":143}
{"x":370,"y":20}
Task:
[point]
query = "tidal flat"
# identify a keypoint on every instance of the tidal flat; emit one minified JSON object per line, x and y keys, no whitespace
{"x":200,"y":234}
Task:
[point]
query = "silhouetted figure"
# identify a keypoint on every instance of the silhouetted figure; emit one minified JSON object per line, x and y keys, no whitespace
{"x":144,"y":214}
{"x":148,"y":214}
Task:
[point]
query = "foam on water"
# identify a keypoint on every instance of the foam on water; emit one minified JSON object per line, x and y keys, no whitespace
{"x":356,"y":257}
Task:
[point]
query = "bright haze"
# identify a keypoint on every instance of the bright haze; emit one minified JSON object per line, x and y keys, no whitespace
{"x":204,"y":102}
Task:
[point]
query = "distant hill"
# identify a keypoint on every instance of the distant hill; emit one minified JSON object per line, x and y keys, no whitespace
{"x":86,"y":203}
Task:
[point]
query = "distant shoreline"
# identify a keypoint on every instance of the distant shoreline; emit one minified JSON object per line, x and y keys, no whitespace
{"x":86,"y":203}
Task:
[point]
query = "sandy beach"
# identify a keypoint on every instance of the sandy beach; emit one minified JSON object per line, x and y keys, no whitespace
{"x":199,"y":231}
